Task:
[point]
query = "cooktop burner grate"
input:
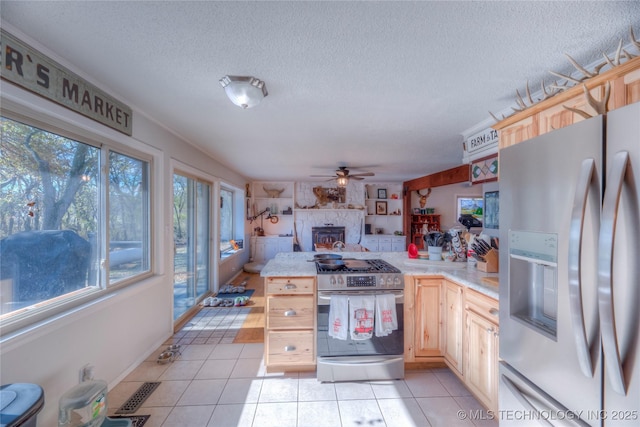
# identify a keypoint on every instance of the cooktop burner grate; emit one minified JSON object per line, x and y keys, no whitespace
{"x":360,"y":266}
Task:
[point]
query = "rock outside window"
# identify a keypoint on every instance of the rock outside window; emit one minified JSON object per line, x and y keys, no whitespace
{"x":381,"y":208}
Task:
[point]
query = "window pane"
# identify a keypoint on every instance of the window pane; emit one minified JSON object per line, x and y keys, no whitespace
{"x":49,"y":216}
{"x":191,"y":223}
{"x":226,"y":220}
{"x":128,"y":217}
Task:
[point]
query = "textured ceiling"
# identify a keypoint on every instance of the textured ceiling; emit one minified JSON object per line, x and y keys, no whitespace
{"x":386,"y":86}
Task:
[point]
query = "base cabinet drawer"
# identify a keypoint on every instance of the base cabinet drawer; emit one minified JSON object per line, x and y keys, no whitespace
{"x":290,"y":312}
{"x":290,"y":285}
{"x":289,"y":347}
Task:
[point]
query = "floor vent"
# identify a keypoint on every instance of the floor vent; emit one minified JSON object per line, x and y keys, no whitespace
{"x":137,"y":399}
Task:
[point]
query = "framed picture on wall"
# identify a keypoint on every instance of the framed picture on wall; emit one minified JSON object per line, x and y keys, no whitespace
{"x":381,"y":208}
{"x":382,"y":193}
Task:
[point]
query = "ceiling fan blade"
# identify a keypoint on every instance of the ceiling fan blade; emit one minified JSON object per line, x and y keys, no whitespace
{"x":322,"y":176}
{"x":356,"y":177}
{"x":363,"y":174}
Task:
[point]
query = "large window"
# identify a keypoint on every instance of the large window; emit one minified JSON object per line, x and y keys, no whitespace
{"x":66,"y":229}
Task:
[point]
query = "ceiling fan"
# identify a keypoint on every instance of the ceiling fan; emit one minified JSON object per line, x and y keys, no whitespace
{"x":342,"y":176}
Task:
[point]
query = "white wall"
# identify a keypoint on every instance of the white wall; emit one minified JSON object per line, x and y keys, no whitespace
{"x":121,"y":330}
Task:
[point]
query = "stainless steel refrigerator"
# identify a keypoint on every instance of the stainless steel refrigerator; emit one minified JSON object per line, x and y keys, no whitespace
{"x":570,"y":272}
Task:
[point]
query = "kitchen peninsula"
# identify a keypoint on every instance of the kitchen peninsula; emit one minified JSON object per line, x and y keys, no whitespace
{"x":448,"y":314}
{"x":292,"y":264}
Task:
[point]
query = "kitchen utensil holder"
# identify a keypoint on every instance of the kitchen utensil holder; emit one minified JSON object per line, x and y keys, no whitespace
{"x":490,"y":263}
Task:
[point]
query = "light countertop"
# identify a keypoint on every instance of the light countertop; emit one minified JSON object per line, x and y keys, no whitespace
{"x":287,"y":264}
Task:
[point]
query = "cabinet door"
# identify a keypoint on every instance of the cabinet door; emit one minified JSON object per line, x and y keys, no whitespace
{"x":370,"y":243}
{"x":481,"y":359}
{"x":271,"y":249}
{"x":427,"y":317}
{"x":526,"y":128}
{"x":398,"y":244}
{"x":626,"y":89}
{"x":285,"y":244}
{"x":259,"y":254}
{"x":384,"y":247}
{"x":452,"y":335}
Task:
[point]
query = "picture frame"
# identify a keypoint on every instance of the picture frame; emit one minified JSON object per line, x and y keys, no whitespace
{"x":382,"y":193}
{"x":381,"y":208}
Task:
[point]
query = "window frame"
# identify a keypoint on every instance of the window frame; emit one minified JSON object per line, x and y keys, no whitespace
{"x":31,"y":316}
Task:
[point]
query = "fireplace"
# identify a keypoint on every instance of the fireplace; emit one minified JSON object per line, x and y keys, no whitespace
{"x":326,"y":235}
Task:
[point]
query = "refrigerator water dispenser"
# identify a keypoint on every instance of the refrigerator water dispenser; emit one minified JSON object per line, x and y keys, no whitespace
{"x":533,"y":280}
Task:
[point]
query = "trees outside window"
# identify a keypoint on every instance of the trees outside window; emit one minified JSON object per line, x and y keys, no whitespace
{"x":65,"y":229}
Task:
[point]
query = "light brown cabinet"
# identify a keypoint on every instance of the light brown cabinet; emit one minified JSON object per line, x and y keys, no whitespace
{"x":423,"y":314}
{"x":452,"y":327}
{"x":427,"y":317}
{"x":481,"y":348}
{"x":290,"y":324}
{"x":551,"y":114}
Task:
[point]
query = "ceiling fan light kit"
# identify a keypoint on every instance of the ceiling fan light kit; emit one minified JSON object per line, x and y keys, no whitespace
{"x":244,"y":91}
{"x":342,"y":176}
{"x":342,"y":181}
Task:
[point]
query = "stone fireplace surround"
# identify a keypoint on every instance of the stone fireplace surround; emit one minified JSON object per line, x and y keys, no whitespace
{"x":351,"y":219}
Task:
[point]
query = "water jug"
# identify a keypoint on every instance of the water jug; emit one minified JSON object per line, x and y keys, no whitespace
{"x":84,"y":405}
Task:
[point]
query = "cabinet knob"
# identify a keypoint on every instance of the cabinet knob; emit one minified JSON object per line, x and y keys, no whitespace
{"x":290,"y":313}
{"x":490,"y":330}
{"x":290,"y":348}
{"x":494,"y":311}
{"x":290,"y":286}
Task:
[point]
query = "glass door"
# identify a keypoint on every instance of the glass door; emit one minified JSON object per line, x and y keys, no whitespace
{"x":192,"y":242}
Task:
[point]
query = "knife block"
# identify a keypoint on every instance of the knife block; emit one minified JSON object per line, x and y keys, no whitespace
{"x":491,"y":262}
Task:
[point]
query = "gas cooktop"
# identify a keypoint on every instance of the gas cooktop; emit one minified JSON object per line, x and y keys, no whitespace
{"x":359,"y":266}
{"x":360,"y":274}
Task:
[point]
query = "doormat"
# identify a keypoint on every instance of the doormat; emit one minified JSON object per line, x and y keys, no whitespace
{"x":247,"y":293}
{"x":137,"y":399}
{"x":136,"y":420}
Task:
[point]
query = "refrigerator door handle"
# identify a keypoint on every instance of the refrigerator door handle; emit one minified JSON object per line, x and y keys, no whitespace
{"x":519,"y":394}
{"x":587,"y":184}
{"x":605,"y":266}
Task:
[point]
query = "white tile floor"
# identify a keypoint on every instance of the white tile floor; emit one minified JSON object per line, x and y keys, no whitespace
{"x":217,"y":383}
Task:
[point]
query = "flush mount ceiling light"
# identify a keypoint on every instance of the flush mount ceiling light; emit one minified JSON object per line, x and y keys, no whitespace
{"x":244,"y":91}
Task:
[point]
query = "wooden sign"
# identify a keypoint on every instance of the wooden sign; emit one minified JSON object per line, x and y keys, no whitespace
{"x":26,"y":67}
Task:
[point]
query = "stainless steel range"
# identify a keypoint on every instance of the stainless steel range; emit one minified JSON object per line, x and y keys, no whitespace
{"x":354,"y":358}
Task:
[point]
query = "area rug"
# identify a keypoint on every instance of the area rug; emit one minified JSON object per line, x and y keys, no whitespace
{"x":247,"y":293}
{"x":136,"y":420}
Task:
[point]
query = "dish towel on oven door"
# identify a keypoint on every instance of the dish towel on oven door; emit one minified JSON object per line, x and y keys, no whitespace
{"x":386,"y":319}
{"x":361,"y":313}
{"x":338,"y":317}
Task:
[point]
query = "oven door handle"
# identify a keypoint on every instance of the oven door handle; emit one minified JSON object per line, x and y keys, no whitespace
{"x":328,"y":296}
{"x":362,"y":361}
